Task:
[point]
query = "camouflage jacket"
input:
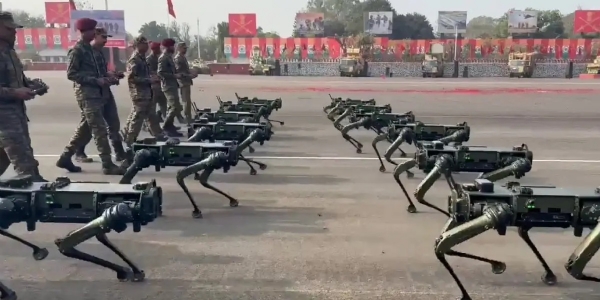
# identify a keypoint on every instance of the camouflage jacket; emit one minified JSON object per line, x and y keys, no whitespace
{"x":152,"y":61}
{"x":166,"y":71}
{"x":183,"y":67}
{"x":11,"y":76}
{"x":138,"y":77}
{"x":83,"y":70}
{"x":102,"y":69}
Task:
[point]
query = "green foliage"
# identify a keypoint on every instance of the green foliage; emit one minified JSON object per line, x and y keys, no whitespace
{"x":28,"y":20}
{"x":346,"y":18}
{"x":552,"y":23}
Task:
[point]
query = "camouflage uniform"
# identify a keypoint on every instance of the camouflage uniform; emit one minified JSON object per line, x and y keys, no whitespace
{"x":110,"y":112}
{"x":166,"y":71}
{"x":140,"y":89}
{"x":158,"y":97}
{"x":84,"y":70}
{"x":15,"y":142}
{"x":185,"y":83}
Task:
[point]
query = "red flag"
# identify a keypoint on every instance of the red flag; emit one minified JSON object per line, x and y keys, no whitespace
{"x":171,"y":9}
{"x":72,"y":4}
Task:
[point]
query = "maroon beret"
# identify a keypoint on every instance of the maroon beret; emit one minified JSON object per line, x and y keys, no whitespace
{"x":154,"y":45}
{"x":86,"y":24}
{"x":168,"y":42}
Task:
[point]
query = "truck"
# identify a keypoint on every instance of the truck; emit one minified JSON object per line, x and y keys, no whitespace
{"x":352,"y":64}
{"x":200,"y":66}
{"x":594,"y":68}
{"x":433,"y":65}
{"x":521,"y":65}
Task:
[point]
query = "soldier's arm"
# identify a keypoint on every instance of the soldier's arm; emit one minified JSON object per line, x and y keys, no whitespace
{"x":150,"y":65}
{"x":164,"y":70}
{"x":181,"y":66}
{"x":6,"y":94}
{"x":73,"y":70}
{"x":133,"y":69}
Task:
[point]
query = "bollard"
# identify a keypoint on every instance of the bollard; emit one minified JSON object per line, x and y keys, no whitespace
{"x":285,"y":69}
{"x":465,"y":72}
{"x":391,"y":74}
{"x":299,"y":66}
{"x":569,"y":74}
{"x":455,"y":73}
{"x":387,"y":71}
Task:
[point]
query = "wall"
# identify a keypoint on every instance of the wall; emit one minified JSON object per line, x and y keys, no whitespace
{"x":556,"y":69}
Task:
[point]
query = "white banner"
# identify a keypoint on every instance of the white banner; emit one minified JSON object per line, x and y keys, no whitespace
{"x":379,"y":22}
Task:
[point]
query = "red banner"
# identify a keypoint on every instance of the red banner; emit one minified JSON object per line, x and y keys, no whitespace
{"x":242,"y":25}
{"x":58,"y":13}
{"x":42,"y":39}
{"x":329,"y":48}
{"x":586,"y":21}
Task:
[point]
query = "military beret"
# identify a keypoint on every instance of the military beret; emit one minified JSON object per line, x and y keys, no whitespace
{"x":86,"y":24}
{"x":8,"y":20}
{"x":155,"y":45}
{"x":102,"y":31}
{"x":140,"y":40}
{"x":168,"y":43}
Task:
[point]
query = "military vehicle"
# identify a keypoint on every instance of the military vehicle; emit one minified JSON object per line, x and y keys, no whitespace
{"x":353,"y":65}
{"x":200,"y":67}
{"x":594,"y":67}
{"x":262,"y":66}
{"x":521,"y":65}
{"x":226,"y":116}
{"x":433,"y":65}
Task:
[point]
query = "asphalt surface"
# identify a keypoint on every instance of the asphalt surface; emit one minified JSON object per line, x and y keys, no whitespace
{"x":321,"y":222}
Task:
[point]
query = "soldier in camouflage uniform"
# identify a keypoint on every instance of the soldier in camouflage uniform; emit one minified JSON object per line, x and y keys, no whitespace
{"x":139,"y":80}
{"x":158,"y":97}
{"x":15,"y":142}
{"x":111,"y":114}
{"x":168,"y":78}
{"x":90,"y":86}
{"x":185,"y":83}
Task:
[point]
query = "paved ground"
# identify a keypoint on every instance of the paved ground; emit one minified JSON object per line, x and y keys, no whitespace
{"x":322,"y":222}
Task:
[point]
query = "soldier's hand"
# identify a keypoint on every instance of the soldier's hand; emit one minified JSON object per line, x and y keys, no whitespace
{"x":24,"y":93}
{"x":102,"y":81}
{"x":154,"y":79}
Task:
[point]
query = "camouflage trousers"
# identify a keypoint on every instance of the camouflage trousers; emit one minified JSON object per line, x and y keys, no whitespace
{"x":143,"y":110}
{"x":111,"y":116}
{"x":174,"y":106}
{"x":158,"y":98}
{"x":186,"y":98}
{"x":15,"y":142}
{"x":93,"y":123}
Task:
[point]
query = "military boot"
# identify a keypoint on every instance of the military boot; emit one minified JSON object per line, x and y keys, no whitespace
{"x":109,"y":168}
{"x":65,"y":162}
{"x":119,"y":153}
{"x":81,"y":157}
{"x":37,"y":177}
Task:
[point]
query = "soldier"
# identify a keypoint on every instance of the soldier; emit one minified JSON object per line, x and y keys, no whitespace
{"x":139,"y":80}
{"x":111,"y":114}
{"x":185,"y":83}
{"x":90,"y":85}
{"x":158,"y":97}
{"x":15,"y":142}
{"x":168,"y":78}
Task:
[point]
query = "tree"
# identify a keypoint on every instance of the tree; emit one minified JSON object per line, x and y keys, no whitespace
{"x":27,"y":20}
{"x":269,"y":34}
{"x":346,"y":18}
{"x":154,"y":31}
{"x":481,"y":27}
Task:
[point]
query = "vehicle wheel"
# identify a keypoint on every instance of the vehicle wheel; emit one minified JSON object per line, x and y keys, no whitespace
{"x":510,"y":75}
{"x":424,"y":75}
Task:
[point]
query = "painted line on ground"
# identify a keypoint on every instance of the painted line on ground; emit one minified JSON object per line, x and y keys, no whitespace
{"x":406,"y":83}
{"x":577,"y":161}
